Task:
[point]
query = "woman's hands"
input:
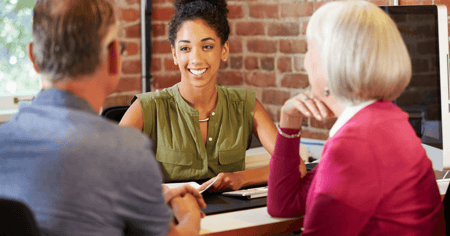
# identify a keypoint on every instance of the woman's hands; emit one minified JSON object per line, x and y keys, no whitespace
{"x":225,"y":181}
{"x":300,"y":106}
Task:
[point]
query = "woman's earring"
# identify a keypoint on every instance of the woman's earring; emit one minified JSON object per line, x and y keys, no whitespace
{"x":224,"y":60}
{"x":327,"y":92}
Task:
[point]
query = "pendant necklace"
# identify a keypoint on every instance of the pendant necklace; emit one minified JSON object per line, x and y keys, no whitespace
{"x":204,"y":120}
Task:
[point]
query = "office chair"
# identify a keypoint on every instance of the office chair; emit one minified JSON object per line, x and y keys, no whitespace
{"x":446,"y":203}
{"x":17,"y":219}
{"x":114,"y":113}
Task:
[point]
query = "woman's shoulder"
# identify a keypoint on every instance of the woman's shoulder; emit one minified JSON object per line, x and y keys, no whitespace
{"x":164,"y":94}
{"x":237,"y":94}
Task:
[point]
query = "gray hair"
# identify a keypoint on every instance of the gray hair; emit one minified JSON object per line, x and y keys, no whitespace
{"x":363,"y":54}
{"x":69,"y":35}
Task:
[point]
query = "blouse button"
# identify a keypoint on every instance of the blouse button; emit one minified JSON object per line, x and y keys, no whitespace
{"x":213,"y":113}
{"x":210,"y":139}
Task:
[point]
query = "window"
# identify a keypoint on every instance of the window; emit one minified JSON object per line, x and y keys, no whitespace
{"x":18,"y":80}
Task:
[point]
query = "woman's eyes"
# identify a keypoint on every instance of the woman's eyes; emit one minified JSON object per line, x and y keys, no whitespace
{"x":205,"y":47}
{"x":208,"y":47}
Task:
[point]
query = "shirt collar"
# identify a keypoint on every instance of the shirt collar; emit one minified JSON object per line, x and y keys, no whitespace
{"x":347,"y":114}
{"x":62,"y":98}
{"x":174,"y":90}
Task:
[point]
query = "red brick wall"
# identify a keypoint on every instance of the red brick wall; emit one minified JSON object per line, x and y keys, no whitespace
{"x":267,"y":46}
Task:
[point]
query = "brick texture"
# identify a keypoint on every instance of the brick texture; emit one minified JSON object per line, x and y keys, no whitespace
{"x":284,"y":29}
{"x":158,"y":30}
{"x":131,"y":49}
{"x":251,"y":63}
{"x":235,"y":12}
{"x":263,"y":46}
{"x":284,"y":64}
{"x":275,"y":97}
{"x":229,"y":78}
{"x":249,"y":28}
{"x":295,"y":81}
{"x":264,"y":11}
{"x":130,"y":15}
{"x":262,"y":79}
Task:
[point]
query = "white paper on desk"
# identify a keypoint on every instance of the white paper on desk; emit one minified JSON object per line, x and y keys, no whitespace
{"x":192,"y":183}
{"x":176,"y":185}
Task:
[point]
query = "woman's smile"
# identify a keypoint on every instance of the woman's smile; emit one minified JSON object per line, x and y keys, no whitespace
{"x":197,"y":71}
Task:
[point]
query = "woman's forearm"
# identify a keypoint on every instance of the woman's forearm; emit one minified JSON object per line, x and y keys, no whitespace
{"x":254,"y":176}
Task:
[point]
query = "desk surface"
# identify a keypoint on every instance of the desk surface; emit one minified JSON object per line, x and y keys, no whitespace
{"x":254,"y":221}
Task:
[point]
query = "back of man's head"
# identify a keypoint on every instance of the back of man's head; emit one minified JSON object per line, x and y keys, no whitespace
{"x":69,"y":36}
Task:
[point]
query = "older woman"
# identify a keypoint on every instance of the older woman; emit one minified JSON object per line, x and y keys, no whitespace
{"x":374,"y":177}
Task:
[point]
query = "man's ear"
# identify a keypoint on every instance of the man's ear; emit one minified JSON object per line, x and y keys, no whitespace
{"x":31,"y":56}
{"x":113,"y":57}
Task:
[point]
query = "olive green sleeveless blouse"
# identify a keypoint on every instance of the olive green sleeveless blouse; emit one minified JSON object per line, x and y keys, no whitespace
{"x":174,"y":127}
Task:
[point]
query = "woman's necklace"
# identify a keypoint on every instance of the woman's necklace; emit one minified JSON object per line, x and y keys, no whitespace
{"x":204,"y":120}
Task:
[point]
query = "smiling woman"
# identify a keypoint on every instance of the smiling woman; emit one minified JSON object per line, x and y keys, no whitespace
{"x":201,"y":130}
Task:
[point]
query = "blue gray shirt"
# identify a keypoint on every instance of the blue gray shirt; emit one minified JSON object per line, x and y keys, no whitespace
{"x":79,"y":173}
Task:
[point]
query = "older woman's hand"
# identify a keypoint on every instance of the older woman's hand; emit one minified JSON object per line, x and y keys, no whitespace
{"x":300,"y":106}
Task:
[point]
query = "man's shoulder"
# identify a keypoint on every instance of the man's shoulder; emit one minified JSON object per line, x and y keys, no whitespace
{"x":115,"y":138}
{"x":75,"y":130}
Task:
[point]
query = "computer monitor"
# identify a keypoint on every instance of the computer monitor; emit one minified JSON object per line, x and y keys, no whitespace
{"x":424,"y":29}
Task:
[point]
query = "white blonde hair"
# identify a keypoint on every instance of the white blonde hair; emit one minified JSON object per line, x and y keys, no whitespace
{"x":363,"y":54}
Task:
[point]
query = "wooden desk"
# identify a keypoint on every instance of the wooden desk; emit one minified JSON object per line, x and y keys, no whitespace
{"x":254,"y":221}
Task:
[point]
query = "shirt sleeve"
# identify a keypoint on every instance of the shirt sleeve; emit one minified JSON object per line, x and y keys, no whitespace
{"x":345,"y":191}
{"x":149,"y":113}
{"x":287,"y":190}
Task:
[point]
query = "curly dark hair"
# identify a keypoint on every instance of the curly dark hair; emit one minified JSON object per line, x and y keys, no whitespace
{"x":213,"y":12}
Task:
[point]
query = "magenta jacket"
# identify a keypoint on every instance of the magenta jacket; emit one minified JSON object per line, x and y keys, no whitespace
{"x":374,"y":178}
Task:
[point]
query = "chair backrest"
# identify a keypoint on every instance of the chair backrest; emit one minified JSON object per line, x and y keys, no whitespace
{"x":16,"y":218}
{"x":115,"y":113}
{"x":446,"y":203}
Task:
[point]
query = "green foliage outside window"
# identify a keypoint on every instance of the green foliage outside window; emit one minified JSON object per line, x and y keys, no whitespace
{"x":17,"y":76}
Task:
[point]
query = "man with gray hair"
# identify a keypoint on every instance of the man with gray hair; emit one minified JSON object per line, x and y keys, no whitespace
{"x":79,"y":173}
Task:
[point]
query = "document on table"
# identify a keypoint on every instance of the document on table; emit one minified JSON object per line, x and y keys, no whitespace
{"x":192,"y":183}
